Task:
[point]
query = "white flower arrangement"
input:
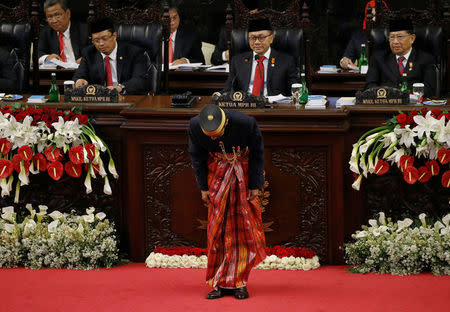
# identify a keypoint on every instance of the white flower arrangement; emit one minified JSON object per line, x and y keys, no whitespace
{"x":159,"y":260}
{"x":57,"y":240}
{"x":401,"y":248}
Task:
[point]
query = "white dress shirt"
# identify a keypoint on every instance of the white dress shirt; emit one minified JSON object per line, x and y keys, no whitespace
{"x":266,"y":66}
{"x":113,"y":63}
{"x":68,"y":50}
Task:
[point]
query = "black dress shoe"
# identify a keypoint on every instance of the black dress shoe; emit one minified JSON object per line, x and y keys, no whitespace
{"x":216,"y":294}
{"x":241,"y":293}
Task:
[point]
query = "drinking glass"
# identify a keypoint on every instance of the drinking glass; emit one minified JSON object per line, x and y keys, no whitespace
{"x":295,"y":88}
{"x":418,"y":90}
{"x":68,"y":86}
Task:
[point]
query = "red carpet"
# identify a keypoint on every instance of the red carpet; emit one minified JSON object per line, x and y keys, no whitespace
{"x":134,"y":287}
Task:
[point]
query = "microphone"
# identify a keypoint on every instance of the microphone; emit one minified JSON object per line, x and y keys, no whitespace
{"x":261,"y":77}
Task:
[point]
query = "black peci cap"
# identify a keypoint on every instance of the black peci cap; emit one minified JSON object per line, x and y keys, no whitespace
{"x":102,"y":25}
{"x":401,"y":24}
{"x":212,"y":119}
{"x":259,"y":24}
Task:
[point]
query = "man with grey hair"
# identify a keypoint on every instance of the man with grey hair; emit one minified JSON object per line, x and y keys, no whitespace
{"x":62,"y":39}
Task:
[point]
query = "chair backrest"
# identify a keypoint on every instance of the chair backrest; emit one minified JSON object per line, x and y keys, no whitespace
{"x":287,"y":40}
{"x":141,"y":27}
{"x":429,"y":27}
{"x":18,"y":28}
{"x":291,"y":31}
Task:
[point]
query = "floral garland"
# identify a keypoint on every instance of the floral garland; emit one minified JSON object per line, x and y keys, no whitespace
{"x":404,"y":247}
{"x":278,"y":257}
{"x":57,"y":240}
{"x":417,"y":143}
{"x":34,"y":140}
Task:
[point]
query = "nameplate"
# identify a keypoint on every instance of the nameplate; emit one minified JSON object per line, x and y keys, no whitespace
{"x":239,"y":100}
{"x":91,"y":94}
{"x":382,"y":96}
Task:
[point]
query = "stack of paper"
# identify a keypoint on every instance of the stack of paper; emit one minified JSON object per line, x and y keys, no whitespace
{"x":316,"y":102}
{"x":280,"y":98}
{"x":342,"y":101}
{"x":37,"y":99}
{"x":187,"y":66}
{"x":221,"y":68}
{"x":328,"y":69}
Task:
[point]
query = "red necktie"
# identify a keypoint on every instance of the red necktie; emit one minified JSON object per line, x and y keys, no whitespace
{"x":61,"y":47}
{"x":109,"y":81}
{"x":401,"y":67}
{"x":258,"y":80}
{"x":170,"y":49}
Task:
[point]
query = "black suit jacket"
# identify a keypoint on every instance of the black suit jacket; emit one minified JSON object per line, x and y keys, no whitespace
{"x":8,"y":77}
{"x":383,"y":70}
{"x":131,"y":68}
{"x":188,"y":45}
{"x":280,"y":76}
{"x":49,"y":40}
{"x":353,"y":49}
{"x":216,"y":57}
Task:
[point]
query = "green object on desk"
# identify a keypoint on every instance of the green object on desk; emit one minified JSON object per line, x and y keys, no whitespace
{"x":53,"y":94}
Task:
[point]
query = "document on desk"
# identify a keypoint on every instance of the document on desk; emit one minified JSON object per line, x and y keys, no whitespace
{"x":185,"y":66}
{"x":280,"y":98}
{"x":53,"y":63}
{"x":220,"y":68}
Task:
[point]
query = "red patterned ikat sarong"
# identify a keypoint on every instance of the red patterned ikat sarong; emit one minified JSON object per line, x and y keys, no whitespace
{"x":235,"y":233}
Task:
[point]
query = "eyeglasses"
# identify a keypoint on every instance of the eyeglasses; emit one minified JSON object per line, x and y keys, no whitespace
{"x":399,"y":37}
{"x":101,"y":39}
{"x":56,"y":16}
{"x":259,"y":38}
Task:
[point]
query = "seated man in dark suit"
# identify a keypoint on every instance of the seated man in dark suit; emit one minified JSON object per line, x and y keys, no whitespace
{"x":386,"y":67}
{"x":61,"y":39}
{"x":8,"y":77}
{"x":184,"y":46}
{"x":262,"y":71}
{"x":116,"y":65}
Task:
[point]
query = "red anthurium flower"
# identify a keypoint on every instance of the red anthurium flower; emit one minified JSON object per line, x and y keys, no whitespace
{"x":405,"y":162}
{"x":424,"y":174}
{"x":40,"y":162}
{"x":424,"y":111}
{"x":5,"y":146}
{"x":410,"y":175}
{"x":401,"y":118}
{"x":52,"y":154}
{"x":16,"y":163}
{"x":445,"y":180}
{"x":443,"y":155}
{"x":6,"y":168}
{"x":25,"y":152}
{"x":433,"y":167}
{"x":55,"y":170}
{"x":90,"y":149}
{"x":76,"y":154}
{"x":74,"y":170}
{"x":381,"y":167}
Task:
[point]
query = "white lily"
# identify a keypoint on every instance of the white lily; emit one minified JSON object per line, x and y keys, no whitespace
{"x":87,"y":183}
{"x":383,"y":228}
{"x":446,"y":220}
{"x":363,"y":166}
{"x":404,"y":224}
{"x":101,"y":168}
{"x":56,"y":215}
{"x":80,"y":228}
{"x":23,"y":176}
{"x":373,"y":223}
{"x":357,"y":184}
{"x":389,"y":138}
{"x":361,"y":234}
{"x":112,"y":168}
{"x":382,"y":218}
{"x":438,"y":225}
{"x":364,"y":147}
{"x":425,"y":125}
{"x":10,"y":228}
{"x":43,"y":208}
{"x":100,"y":216}
{"x":406,"y":136}
{"x":90,"y":210}
{"x":395,"y":156}
{"x":376,"y":232}
{"x":29,"y":227}
{"x":9,"y":209}
{"x":422,"y":219}
{"x":89,"y":218}
{"x":107,"y":188}
{"x":53,"y":226}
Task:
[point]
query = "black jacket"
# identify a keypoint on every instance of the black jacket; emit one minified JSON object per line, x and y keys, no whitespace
{"x":188,"y":45}
{"x":280,"y":76}
{"x":383,"y":70}
{"x":131,"y":68}
{"x":8,"y":77}
{"x":241,"y":130}
{"x":49,"y":40}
